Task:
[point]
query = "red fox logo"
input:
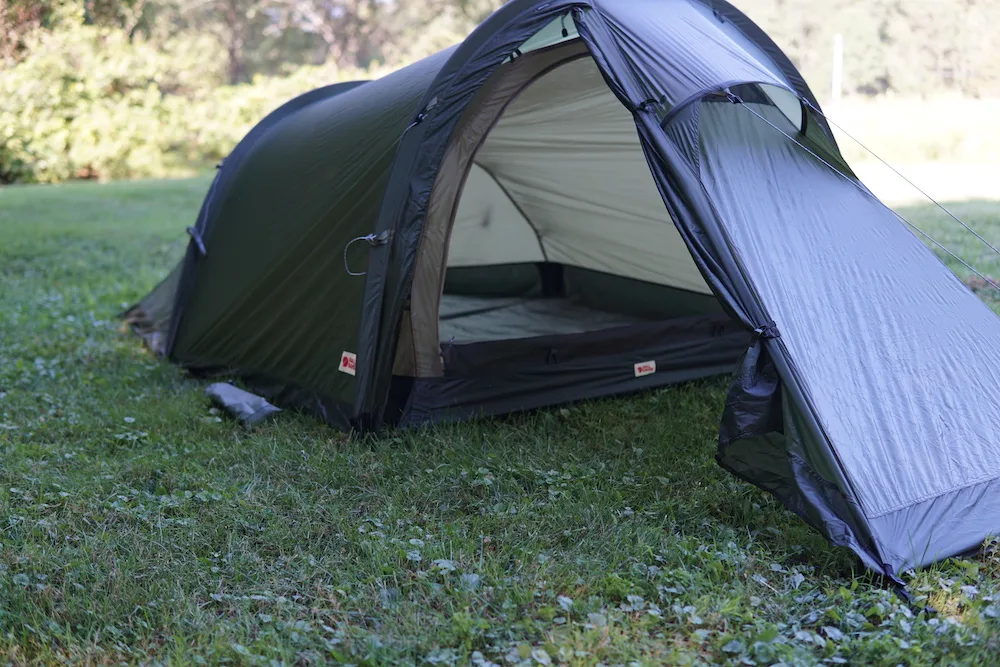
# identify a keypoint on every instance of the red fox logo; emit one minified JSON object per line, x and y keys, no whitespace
{"x":645,"y":368}
{"x":349,"y":363}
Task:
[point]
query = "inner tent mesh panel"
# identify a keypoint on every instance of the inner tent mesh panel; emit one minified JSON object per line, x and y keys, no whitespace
{"x":562,"y":178}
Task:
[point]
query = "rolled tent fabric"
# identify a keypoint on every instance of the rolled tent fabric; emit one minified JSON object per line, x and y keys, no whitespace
{"x":242,"y":405}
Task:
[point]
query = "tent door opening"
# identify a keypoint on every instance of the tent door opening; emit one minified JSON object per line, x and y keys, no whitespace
{"x":549,"y":268}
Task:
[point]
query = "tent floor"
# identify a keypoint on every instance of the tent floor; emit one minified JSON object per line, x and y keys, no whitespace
{"x":510,"y":355}
{"x":474,"y":319}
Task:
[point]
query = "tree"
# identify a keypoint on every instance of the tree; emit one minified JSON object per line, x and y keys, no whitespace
{"x":891,"y":46}
{"x":237,"y":26}
{"x":477,"y":10}
{"x":128,"y":15}
{"x":357,"y":33}
{"x":350,"y":32}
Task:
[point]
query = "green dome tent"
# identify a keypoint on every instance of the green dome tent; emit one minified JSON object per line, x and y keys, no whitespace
{"x":594,"y":197}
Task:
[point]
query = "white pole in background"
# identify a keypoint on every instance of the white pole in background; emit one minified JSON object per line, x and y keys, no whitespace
{"x":838,"y":70}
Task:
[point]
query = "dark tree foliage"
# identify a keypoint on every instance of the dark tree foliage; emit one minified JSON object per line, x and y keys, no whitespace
{"x":907,"y":47}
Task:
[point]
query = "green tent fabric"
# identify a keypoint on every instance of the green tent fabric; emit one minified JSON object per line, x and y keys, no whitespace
{"x":588,"y":198}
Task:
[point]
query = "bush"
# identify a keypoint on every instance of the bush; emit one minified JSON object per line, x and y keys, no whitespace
{"x":218,"y":122}
{"x":88,"y":102}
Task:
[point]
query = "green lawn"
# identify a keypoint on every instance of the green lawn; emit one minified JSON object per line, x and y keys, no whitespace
{"x":138,"y":526}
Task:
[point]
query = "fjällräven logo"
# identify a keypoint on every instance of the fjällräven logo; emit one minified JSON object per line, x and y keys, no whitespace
{"x":645,"y":368}
{"x":349,"y":363}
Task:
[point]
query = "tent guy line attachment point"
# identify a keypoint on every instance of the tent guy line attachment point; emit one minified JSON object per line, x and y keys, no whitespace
{"x":373,"y":240}
{"x":766,"y":332}
{"x":421,"y":117}
{"x":652,"y":103}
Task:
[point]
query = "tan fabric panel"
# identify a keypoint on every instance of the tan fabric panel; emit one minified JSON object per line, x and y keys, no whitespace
{"x":482,"y":114}
{"x":489,"y":228}
{"x":404,"y":365}
{"x":568,"y":153}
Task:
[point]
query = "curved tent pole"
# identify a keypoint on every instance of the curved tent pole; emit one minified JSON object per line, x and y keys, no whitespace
{"x":379,"y":330}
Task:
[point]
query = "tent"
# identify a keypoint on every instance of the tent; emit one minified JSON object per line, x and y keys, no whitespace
{"x":594,"y":197}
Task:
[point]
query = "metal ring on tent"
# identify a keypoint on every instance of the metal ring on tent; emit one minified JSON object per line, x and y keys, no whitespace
{"x":374,"y":240}
{"x":421,"y":117}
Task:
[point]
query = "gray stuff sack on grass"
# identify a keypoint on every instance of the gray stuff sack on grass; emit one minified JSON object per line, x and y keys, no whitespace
{"x":248,"y":408}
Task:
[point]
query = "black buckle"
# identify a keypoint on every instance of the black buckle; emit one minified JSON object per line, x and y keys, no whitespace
{"x":765,"y":332}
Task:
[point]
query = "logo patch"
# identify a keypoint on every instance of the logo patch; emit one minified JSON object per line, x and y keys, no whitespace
{"x":644,"y":368}
{"x":349,"y":363}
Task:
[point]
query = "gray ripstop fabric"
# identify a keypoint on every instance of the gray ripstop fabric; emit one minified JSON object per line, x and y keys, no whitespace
{"x":469,"y":319}
{"x":864,"y":399}
{"x":896,"y":354}
{"x":703,"y":52}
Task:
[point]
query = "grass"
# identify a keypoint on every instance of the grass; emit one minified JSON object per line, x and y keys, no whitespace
{"x":137,"y":526}
{"x":983,"y":217}
{"x":938,"y":128}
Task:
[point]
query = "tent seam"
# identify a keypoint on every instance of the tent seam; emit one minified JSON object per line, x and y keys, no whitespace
{"x":994,"y":476}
